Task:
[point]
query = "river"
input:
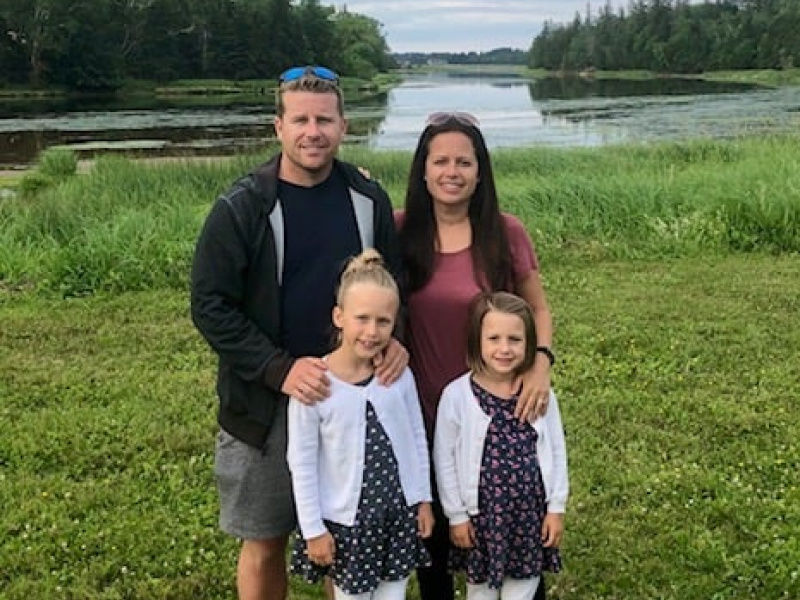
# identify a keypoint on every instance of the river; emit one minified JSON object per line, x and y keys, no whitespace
{"x":513,"y":111}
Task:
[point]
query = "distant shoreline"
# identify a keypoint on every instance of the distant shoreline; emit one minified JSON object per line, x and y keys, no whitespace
{"x":212,"y":87}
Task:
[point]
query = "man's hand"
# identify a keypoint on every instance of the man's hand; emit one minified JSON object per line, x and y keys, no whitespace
{"x":321,"y":549}
{"x":307,"y":380}
{"x":390,"y":363}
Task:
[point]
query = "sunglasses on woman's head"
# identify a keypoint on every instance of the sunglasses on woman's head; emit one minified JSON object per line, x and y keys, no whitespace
{"x":464,"y":118}
{"x":296,"y":73}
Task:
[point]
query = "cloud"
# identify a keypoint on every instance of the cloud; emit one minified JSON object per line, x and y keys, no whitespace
{"x":467,"y":25}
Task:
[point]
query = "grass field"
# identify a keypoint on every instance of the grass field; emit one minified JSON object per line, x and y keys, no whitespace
{"x":678,"y":375}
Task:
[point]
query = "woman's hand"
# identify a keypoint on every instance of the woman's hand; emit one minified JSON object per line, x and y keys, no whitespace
{"x":535,"y":394}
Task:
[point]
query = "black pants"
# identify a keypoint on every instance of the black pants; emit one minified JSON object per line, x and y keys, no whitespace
{"x":436,"y":582}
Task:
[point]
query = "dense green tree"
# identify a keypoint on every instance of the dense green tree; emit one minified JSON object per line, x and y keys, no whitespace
{"x":685,"y":50}
{"x":226,"y":44}
{"x":608,"y":31}
{"x":778,"y":46}
{"x":95,"y":44}
{"x":64,"y":43}
{"x":498,"y":56}
{"x":85,"y":51}
{"x":165,"y":50}
{"x":32,"y":29}
{"x":131,"y":23}
{"x":676,"y":36}
{"x":280,"y":44}
{"x":552,"y":52}
{"x":581,"y":45}
{"x":360,"y":48}
{"x":319,"y":38}
{"x":13,"y":59}
{"x":734,"y":41}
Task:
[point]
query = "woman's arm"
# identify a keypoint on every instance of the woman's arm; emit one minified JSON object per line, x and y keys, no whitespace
{"x":535,"y":393}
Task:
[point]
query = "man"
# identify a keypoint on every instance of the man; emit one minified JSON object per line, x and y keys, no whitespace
{"x":263,"y":279}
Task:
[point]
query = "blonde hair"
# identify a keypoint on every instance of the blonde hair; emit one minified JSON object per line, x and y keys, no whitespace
{"x":367,"y":267}
{"x":308,"y":83}
{"x":504,"y":302}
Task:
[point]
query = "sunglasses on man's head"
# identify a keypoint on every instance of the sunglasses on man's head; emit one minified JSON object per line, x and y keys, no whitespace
{"x":296,"y":73}
{"x":440,"y":118}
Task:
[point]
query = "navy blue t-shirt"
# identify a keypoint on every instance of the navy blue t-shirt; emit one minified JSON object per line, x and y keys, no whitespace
{"x":321,"y":234}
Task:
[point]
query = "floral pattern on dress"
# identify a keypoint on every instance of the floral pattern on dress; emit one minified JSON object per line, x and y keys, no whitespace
{"x":511,"y":500}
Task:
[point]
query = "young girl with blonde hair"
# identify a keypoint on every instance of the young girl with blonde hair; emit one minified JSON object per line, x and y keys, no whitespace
{"x":359,"y":459}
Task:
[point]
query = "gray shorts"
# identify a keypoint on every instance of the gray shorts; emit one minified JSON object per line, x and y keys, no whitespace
{"x":255,"y":487}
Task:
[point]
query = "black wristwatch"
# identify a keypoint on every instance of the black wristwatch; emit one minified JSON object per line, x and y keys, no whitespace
{"x":548,"y":353}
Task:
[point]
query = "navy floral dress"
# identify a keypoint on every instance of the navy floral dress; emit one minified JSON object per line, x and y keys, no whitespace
{"x":511,"y":499}
{"x":383,"y":544}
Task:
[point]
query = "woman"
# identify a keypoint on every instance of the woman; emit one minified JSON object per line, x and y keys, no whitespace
{"x":456,"y":243}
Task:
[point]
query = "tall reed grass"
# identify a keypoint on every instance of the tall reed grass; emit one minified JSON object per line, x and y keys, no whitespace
{"x":130,"y":225}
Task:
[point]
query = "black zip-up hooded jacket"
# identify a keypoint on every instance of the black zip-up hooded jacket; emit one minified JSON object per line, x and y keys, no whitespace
{"x":235,"y":289}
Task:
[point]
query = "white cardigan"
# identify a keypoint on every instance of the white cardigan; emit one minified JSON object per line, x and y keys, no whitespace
{"x":458,"y":445}
{"x":326,"y":449}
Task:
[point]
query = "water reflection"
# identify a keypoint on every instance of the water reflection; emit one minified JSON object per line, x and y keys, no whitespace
{"x":64,"y":105}
{"x":513,"y":112}
{"x":560,"y":88}
{"x":502,"y":103}
{"x":586,"y":112}
{"x":678,"y":117}
{"x":151,"y":127}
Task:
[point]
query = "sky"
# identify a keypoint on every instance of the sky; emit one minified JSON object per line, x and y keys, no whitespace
{"x":467,"y":25}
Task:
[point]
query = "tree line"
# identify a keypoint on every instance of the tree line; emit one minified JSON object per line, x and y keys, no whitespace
{"x":498,"y":56}
{"x":674,"y":36}
{"x":98,"y":44}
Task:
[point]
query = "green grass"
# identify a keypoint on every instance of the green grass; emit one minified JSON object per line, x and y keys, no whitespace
{"x":127,"y":226}
{"x":674,"y":278}
{"x":770,"y":77}
{"x":677,"y":380}
{"x":679,"y":386}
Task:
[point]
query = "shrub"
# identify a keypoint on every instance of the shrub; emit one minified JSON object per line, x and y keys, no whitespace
{"x":55,"y":165}
{"x":59,"y":163}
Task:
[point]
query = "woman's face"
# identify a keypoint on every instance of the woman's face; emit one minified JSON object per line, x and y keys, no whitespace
{"x":451,"y":169}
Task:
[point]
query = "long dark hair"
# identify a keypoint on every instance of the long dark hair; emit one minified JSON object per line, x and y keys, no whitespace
{"x":491,"y":253}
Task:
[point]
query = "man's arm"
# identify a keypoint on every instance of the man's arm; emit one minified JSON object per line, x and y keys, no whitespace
{"x":218,"y":284}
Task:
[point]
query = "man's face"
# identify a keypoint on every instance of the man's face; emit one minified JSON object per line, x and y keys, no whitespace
{"x":310,"y":132}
